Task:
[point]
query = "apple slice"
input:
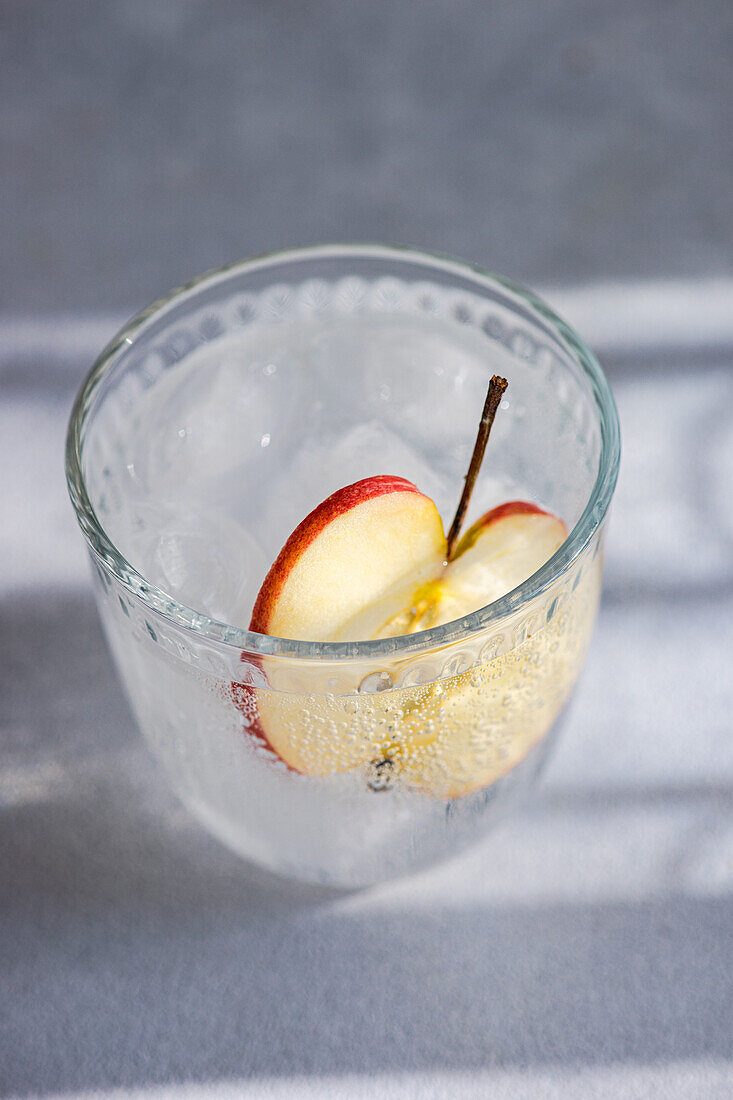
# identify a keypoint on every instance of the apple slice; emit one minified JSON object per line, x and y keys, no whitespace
{"x":364,"y":547}
{"x":370,"y":562}
{"x":368,"y":545}
{"x":373,"y":561}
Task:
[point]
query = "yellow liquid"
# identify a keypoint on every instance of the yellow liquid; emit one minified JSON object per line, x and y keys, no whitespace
{"x":454,"y":735}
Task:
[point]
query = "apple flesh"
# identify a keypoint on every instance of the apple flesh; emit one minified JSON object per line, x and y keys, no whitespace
{"x":370,"y":562}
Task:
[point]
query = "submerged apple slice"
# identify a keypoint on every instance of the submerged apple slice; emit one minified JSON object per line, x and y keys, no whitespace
{"x":370,"y":562}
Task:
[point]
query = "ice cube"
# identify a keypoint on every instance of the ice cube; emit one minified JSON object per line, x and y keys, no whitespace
{"x":324,"y":465}
{"x":203,"y":560}
{"x":428,"y":385}
{"x":211,"y":416}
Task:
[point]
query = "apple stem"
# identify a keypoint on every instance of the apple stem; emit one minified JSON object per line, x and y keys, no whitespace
{"x":495,"y":393}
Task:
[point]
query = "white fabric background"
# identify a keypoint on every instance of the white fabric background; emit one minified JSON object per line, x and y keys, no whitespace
{"x":586,"y":948}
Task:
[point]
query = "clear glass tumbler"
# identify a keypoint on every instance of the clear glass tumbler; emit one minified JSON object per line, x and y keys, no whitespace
{"x":342,"y":361}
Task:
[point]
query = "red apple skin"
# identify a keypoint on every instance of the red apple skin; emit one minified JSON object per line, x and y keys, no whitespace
{"x":340,"y":502}
{"x":244,"y":697}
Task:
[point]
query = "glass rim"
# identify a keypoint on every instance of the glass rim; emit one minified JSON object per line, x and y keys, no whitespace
{"x":460,"y":630}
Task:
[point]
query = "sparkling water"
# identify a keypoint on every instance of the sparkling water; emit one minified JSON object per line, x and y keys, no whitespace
{"x":216,"y":463}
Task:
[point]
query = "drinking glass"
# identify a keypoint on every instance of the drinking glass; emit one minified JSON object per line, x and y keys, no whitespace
{"x":235,"y":405}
